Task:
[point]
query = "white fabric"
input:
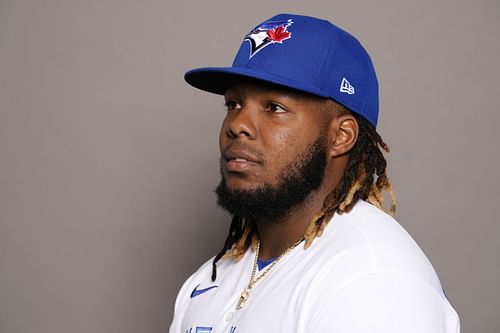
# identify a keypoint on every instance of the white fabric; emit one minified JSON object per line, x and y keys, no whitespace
{"x":365,"y":274}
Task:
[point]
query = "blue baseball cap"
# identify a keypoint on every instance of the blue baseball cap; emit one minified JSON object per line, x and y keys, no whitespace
{"x":303,"y":53}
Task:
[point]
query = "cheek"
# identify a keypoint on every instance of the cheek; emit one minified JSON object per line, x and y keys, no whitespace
{"x":221,"y":139}
{"x":279,"y":137}
{"x":222,"y":135}
{"x":283,"y":147}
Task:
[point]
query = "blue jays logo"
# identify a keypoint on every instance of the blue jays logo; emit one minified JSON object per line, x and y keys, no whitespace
{"x":270,"y":32}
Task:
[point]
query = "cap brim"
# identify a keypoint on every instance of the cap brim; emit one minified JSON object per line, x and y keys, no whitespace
{"x":217,"y":79}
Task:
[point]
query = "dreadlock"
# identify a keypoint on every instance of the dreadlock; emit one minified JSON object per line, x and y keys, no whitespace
{"x":364,"y":178}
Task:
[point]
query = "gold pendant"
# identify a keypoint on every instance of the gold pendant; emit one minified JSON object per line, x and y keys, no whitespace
{"x":243,"y":299}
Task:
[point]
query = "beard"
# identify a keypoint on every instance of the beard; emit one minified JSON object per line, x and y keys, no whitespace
{"x":297,"y":180}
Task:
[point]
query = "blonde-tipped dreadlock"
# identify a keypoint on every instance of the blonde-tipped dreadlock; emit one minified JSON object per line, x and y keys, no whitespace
{"x":364,"y":178}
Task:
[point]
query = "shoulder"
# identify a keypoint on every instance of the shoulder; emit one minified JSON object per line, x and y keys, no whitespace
{"x":387,"y":302}
{"x":367,"y":265}
{"x":202,"y":277}
{"x":192,"y":281}
{"x":376,"y":242}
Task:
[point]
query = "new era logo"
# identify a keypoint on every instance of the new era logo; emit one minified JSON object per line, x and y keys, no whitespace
{"x":346,"y":87}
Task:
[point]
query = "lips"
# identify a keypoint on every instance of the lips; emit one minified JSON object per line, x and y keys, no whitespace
{"x":238,"y":155}
{"x":239,"y":160}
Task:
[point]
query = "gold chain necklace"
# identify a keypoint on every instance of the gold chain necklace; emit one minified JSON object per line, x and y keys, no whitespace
{"x":253,"y":280}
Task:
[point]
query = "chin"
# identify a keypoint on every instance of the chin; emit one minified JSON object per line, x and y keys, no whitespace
{"x":242,"y":186}
{"x":241,"y":182}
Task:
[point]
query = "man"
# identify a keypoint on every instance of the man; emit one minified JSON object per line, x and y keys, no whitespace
{"x":303,"y":174}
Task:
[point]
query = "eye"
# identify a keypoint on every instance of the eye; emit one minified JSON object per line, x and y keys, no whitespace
{"x":275,"y":108}
{"x":231,"y":105}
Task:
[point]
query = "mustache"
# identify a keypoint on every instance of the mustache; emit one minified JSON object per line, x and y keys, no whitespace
{"x":241,"y":146}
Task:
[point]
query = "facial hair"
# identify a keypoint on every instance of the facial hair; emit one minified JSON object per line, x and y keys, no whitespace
{"x":297,"y":180}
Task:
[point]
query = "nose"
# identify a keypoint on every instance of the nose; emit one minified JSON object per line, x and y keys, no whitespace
{"x":241,"y":123}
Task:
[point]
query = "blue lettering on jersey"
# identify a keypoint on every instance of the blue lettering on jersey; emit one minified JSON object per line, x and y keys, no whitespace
{"x":207,"y":329}
{"x":197,"y":292}
{"x":200,"y":329}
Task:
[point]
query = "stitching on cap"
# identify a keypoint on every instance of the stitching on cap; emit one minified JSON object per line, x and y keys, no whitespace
{"x":327,"y":56}
{"x":370,"y":80}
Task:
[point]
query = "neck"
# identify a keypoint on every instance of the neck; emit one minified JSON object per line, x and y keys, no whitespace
{"x":278,"y":235}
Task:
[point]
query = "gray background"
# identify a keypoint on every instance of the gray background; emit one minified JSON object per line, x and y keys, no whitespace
{"x":108,"y":159}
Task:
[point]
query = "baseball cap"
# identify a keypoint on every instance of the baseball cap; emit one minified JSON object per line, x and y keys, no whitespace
{"x":303,"y":53}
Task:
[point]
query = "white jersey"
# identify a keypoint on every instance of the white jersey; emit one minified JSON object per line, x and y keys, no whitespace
{"x":364,"y":274}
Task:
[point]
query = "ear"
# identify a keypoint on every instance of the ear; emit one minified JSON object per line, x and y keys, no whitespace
{"x":343,"y":134}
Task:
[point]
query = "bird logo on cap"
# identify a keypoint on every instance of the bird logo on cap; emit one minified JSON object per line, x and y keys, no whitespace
{"x":270,"y":32}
